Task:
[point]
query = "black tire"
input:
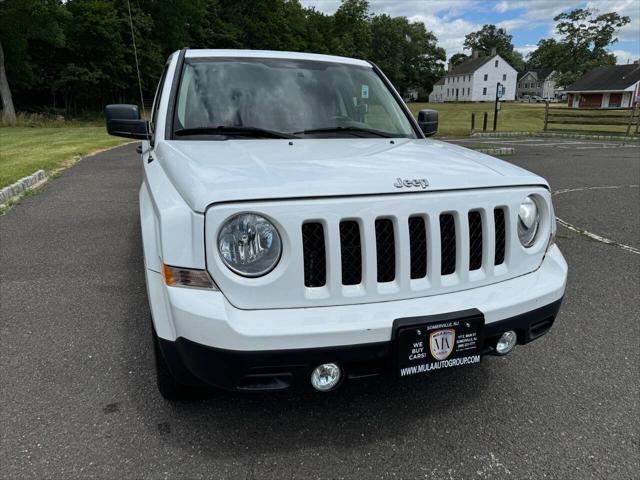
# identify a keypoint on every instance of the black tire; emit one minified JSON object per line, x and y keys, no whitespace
{"x":170,"y":388}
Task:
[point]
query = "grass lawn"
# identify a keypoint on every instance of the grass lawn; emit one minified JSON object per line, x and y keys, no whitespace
{"x":23,"y":150}
{"x":454,"y":119}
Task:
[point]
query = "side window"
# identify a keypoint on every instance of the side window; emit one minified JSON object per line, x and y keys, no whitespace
{"x":156,"y":101}
{"x":486,"y":77}
{"x":484,"y":91}
{"x":504,"y":76}
{"x":496,"y":65}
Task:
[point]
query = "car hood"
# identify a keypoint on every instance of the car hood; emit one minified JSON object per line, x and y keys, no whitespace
{"x":209,"y":172}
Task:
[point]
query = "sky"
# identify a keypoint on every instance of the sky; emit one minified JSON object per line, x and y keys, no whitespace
{"x":527,"y":20}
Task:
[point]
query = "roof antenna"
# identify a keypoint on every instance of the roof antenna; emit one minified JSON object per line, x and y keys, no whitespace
{"x":135,"y":54}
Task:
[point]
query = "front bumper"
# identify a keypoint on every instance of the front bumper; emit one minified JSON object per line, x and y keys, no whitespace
{"x":196,"y":364}
{"x":203,"y":334}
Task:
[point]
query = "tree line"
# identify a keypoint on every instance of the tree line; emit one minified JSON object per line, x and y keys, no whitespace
{"x":77,"y":55}
{"x":70,"y":56}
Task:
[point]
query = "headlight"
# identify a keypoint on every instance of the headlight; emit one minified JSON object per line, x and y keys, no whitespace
{"x":249,"y":245}
{"x":528,"y":221}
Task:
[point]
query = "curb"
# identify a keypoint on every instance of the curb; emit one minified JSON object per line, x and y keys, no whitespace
{"x":15,"y":190}
{"x":552,"y":134}
{"x":497,"y":151}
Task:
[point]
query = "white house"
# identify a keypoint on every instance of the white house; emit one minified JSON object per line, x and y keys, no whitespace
{"x":475,"y":80}
{"x":612,"y":86}
{"x":436,"y":95}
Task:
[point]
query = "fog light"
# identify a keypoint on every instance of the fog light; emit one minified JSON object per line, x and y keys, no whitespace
{"x":506,"y":342}
{"x":326,"y":377}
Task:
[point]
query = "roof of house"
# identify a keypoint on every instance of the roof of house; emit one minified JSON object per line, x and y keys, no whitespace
{"x":470,"y":65}
{"x":540,"y":75}
{"x":608,"y":78}
{"x":439,"y":82}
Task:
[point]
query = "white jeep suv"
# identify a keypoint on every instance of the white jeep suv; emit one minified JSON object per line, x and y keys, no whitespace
{"x":299,"y":228}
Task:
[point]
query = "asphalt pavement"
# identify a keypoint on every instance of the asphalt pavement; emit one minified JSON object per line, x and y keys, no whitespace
{"x":77,"y":389}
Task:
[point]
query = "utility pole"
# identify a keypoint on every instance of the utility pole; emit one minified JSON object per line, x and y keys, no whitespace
{"x":495,"y":110}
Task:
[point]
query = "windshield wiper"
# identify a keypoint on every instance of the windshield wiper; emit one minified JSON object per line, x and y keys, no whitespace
{"x":371,"y":131}
{"x":230,"y":131}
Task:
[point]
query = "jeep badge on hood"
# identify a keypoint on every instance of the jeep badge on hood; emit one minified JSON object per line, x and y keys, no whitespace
{"x":413,"y":182}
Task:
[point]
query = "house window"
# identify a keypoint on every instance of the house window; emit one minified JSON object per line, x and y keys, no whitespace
{"x":504,"y":77}
{"x":484,"y":91}
{"x":496,"y":64}
{"x":538,"y":84}
{"x":486,"y":77}
{"x":447,"y":92}
{"x":468,"y":91}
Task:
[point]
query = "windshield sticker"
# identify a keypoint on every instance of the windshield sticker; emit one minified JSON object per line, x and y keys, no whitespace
{"x":365,"y":91}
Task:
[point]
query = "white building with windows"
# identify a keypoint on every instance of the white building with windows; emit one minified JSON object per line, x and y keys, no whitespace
{"x":475,"y":80}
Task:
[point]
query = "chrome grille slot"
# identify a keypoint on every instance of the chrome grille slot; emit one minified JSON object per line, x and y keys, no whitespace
{"x":475,"y":240}
{"x":447,"y":244}
{"x":418,"y":247}
{"x":315,"y":256}
{"x":385,"y":250}
{"x":351,"y":252}
{"x":498,"y":219}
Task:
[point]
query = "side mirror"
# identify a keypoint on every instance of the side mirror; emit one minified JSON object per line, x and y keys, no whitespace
{"x":125,"y":121}
{"x":428,"y":122}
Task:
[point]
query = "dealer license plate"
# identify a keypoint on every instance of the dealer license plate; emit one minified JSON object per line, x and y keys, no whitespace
{"x":427,"y":344}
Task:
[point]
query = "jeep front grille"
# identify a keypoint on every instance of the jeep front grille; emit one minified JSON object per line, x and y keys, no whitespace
{"x":351,"y":247}
{"x":381,"y":248}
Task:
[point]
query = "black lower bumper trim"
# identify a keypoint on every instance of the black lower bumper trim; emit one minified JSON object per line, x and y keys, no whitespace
{"x":193,"y":363}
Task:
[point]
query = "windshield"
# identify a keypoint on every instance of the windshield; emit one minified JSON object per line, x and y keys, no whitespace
{"x":283,"y":98}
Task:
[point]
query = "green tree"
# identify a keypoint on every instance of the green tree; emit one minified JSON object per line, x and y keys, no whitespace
{"x":25,"y":24}
{"x":79,"y":53}
{"x":490,"y":37}
{"x":585,"y":35}
{"x":99,"y":63}
{"x":547,"y":55}
{"x":457,"y":58}
{"x":422,"y":58}
{"x":318,"y":31}
{"x":352,"y":29}
{"x":388,"y":43}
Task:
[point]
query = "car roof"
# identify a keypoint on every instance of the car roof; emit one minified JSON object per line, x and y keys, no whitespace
{"x":227,"y":53}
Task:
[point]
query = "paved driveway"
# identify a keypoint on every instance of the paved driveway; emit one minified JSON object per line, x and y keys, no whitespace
{"x":78,"y":399}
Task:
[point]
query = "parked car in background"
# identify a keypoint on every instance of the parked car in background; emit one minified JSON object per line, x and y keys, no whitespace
{"x":300,"y":228}
{"x":531,"y":99}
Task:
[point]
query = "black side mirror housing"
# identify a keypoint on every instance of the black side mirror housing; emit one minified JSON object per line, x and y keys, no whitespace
{"x":124,"y":121}
{"x":428,"y":122}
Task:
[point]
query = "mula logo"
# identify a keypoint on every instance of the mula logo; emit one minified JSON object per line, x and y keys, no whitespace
{"x":441,"y":343}
{"x":411,"y":182}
